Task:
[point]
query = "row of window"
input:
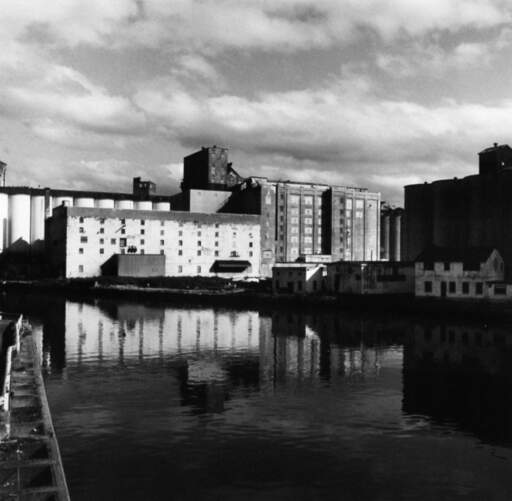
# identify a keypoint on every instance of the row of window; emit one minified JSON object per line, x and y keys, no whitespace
{"x":452,"y":287}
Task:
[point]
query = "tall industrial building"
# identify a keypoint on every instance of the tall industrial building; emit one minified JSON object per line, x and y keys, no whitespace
{"x":470,"y":212}
{"x":297,"y":219}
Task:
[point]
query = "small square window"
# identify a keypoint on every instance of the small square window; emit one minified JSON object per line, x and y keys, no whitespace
{"x":122,"y":242}
{"x":216,"y":253}
{"x":162,"y":242}
{"x":216,"y":225}
{"x":199,"y":253}
{"x":102,"y":230}
{"x":162,"y":223}
{"x":162,"y":252}
{"x":81,"y":219}
{"x":80,"y":268}
{"x":199,"y":243}
{"x":250,"y":253}
{"x":83,"y":240}
{"x":102,"y":240}
{"x":198,"y":233}
{"x":142,"y":251}
{"x":102,"y":251}
{"x":428,"y":287}
{"x":217,"y":234}
{"x":180,"y":253}
{"x":250,"y":244}
{"x":180,"y":269}
{"x":141,"y":241}
{"x":123,"y":231}
{"x":142,"y":222}
{"x":162,"y":233}
{"x":180,"y":233}
{"x":216,"y":244}
{"x":123,"y":221}
{"x":81,"y":230}
{"x":102,"y":220}
{"x":180,"y":242}
{"x":199,"y":269}
{"x":80,"y":251}
{"x":113,"y":241}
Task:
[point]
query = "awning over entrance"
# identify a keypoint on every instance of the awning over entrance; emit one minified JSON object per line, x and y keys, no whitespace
{"x":230,"y":265}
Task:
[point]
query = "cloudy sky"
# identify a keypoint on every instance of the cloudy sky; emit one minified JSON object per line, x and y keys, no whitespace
{"x":376,"y":93}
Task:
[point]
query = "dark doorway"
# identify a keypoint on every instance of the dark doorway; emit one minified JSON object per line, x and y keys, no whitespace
{"x":443,"y":289}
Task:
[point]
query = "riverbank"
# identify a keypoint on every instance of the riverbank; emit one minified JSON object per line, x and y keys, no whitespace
{"x":30,"y":460}
{"x":256,"y":296}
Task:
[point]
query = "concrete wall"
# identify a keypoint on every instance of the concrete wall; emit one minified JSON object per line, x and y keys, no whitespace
{"x":208,"y":201}
{"x":137,"y":265}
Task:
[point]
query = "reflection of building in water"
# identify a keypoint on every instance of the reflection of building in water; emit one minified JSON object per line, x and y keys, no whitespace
{"x":462,"y":374}
{"x":140,"y":332}
{"x":330,"y":345}
{"x":213,"y":354}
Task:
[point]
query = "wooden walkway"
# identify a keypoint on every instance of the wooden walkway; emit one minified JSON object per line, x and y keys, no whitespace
{"x":30,"y":461}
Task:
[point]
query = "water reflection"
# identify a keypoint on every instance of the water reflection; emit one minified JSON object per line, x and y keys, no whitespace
{"x":461,"y":374}
{"x":278,"y":405}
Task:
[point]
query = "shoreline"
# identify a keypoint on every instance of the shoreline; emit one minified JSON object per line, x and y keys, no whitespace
{"x":241,"y":298}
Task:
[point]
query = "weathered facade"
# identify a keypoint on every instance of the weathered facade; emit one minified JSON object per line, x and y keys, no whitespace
{"x":309,"y":219}
{"x":459,"y":273}
{"x":81,"y":240}
{"x":370,"y":277}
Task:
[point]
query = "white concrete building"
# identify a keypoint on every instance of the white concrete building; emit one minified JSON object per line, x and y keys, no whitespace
{"x":80,"y":240}
{"x":460,"y":274}
{"x":23,"y":210}
{"x":298,"y":278}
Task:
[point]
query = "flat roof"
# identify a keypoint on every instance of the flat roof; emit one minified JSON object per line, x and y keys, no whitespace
{"x":203,"y":217}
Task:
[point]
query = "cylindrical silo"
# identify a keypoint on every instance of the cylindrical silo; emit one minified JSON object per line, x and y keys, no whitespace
{"x":397,"y":235}
{"x":144,"y":205}
{"x":58,"y":201}
{"x":84,"y":202}
{"x":4,"y":214}
{"x":124,"y":204}
{"x":385,"y":229}
{"x":37,"y":216}
{"x":105,"y":203}
{"x":19,"y":218}
{"x":163,"y":206}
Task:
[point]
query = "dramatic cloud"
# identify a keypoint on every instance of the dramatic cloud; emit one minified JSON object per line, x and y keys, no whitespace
{"x":377,"y":93}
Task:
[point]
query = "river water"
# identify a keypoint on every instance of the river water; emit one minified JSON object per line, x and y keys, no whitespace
{"x":164,"y":402}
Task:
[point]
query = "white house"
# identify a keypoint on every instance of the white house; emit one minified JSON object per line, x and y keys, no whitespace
{"x":476,"y":273}
{"x":298,"y":278}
